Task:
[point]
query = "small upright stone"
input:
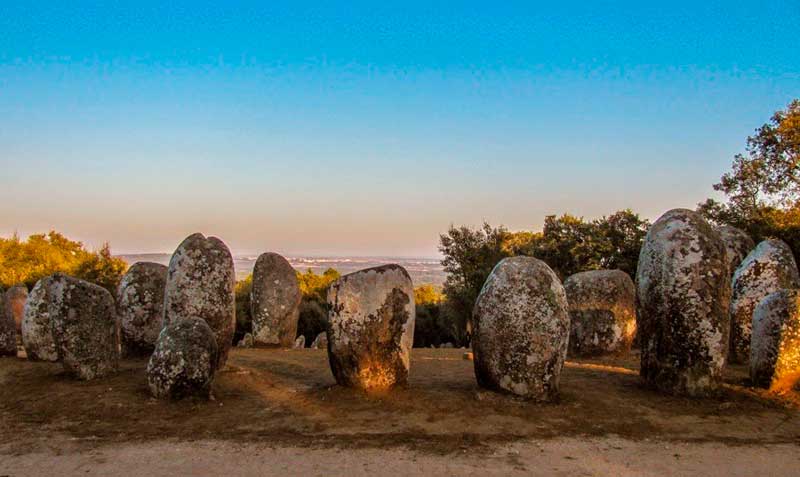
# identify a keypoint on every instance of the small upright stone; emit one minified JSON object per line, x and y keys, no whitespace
{"x":184,"y":361}
{"x":84,"y":327}
{"x":200,"y":284}
{"x":321,"y":341}
{"x":140,"y":307}
{"x":775,"y":347}
{"x":8,"y":331}
{"x":300,"y":342}
{"x":246,"y":341}
{"x":737,"y":244}
{"x":274,"y":301}
{"x":371,"y":327}
{"x":16,"y":297}
{"x":602,"y":311}
{"x":683,"y":291}
{"x":37,"y":331}
{"x":770,"y":267}
{"x":521,"y":328}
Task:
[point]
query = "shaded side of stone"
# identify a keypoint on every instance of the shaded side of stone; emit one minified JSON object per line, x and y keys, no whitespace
{"x":140,"y":307}
{"x":8,"y":331}
{"x":737,"y":244}
{"x":183,"y":363}
{"x":15,"y":304}
{"x":683,"y":295}
{"x":37,"y":331}
{"x":521,"y":330}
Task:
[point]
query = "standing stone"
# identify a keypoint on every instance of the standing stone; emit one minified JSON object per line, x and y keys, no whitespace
{"x":300,"y":342}
{"x":16,"y":297}
{"x":775,"y":347}
{"x":140,"y":307}
{"x":371,"y":327}
{"x":602,"y":312}
{"x":84,"y":327}
{"x":8,"y":331}
{"x":683,"y":290}
{"x":521,"y":329}
{"x":274,"y":301}
{"x":246,"y":341}
{"x":737,"y":244}
{"x":321,"y":341}
{"x":184,"y":361}
{"x":37,"y":331}
{"x":200,"y":284}
{"x":767,"y":269}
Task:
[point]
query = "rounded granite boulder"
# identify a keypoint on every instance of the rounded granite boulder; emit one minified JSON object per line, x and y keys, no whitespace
{"x":320,"y":342}
{"x":200,"y":284}
{"x":8,"y":331}
{"x":184,"y":361}
{"x":770,"y":267}
{"x":16,"y":297}
{"x":37,"y":331}
{"x":371,"y":327}
{"x":84,"y":327}
{"x":521,"y":329}
{"x":737,"y":244}
{"x":274,"y":301}
{"x":602,"y":312}
{"x":140,"y":307}
{"x":775,"y":346}
{"x":683,"y":294}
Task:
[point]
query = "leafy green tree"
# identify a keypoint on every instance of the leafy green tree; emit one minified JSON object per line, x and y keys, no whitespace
{"x":102,"y":269}
{"x":763,"y":187}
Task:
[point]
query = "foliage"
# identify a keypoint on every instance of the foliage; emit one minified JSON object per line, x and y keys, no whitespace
{"x":763,"y":186}
{"x":430,"y":328}
{"x":28,"y":261}
{"x":313,"y":307}
{"x":568,"y":244}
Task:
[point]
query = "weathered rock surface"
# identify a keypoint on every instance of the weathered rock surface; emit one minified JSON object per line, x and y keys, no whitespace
{"x":775,"y":346}
{"x":15,"y":304}
{"x":300,"y":342}
{"x":37,"y":331}
{"x":371,"y":327}
{"x":321,"y":341}
{"x":140,"y":307}
{"x":8,"y":331}
{"x":521,"y":329}
{"x":274,"y":301}
{"x":770,"y":267}
{"x":737,"y":244}
{"x":602,"y":311}
{"x":200,"y":284}
{"x":184,"y":361}
{"x":683,"y":290}
{"x":246,"y":341}
{"x":84,"y":327}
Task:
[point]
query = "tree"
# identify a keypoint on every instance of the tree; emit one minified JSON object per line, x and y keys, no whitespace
{"x":102,"y":268}
{"x":763,"y":187}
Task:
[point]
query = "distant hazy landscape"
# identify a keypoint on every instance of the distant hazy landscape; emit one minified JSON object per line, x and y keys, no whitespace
{"x":422,"y":270}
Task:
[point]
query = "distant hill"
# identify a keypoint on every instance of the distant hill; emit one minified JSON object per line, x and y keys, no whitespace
{"x":422,"y":270}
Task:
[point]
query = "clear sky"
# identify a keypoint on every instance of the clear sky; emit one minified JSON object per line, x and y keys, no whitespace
{"x":369,"y":127}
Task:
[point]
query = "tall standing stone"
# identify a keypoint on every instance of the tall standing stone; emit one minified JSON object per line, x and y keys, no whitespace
{"x":683,"y":290}
{"x":15,"y":304}
{"x":184,"y":360}
{"x":201,"y":283}
{"x":602,"y":311}
{"x":8,"y":331}
{"x":768,"y":268}
{"x":521,"y":329}
{"x":775,"y":347}
{"x":371,"y":327}
{"x":84,"y":327}
{"x":737,"y":244}
{"x":274,"y":301}
{"x":37,"y":331}
{"x":140,"y":307}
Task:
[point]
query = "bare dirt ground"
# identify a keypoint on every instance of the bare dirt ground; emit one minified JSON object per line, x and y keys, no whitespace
{"x":279,"y":412}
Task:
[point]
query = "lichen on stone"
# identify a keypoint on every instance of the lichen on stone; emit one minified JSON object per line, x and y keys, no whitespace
{"x":274,"y":301}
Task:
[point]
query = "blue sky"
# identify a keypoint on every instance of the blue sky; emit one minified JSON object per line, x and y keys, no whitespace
{"x":356,"y":128}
